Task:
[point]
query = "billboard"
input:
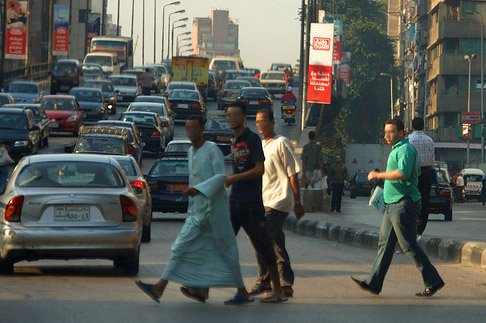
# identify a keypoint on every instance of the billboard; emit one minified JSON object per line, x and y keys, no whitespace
{"x":319,"y":81}
{"x":16,"y":22}
{"x":61,"y":29}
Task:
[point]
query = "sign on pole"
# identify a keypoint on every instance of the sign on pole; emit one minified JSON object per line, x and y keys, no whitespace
{"x":16,"y":29}
{"x":61,"y":29}
{"x":319,"y":81}
{"x":471,"y":117}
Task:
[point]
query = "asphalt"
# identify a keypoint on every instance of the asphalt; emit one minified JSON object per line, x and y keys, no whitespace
{"x":359,"y":226}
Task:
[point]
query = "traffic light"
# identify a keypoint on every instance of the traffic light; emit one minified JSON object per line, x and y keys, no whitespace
{"x":467,"y":131}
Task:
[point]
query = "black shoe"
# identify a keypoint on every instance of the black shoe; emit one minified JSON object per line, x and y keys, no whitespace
{"x":430,"y":291}
{"x":332,"y":210}
{"x":338,"y":211}
{"x":364,"y":286}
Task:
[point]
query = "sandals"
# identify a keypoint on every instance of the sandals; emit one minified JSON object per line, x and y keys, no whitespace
{"x":259,"y":289}
{"x":238,"y":300}
{"x":193,"y":294}
{"x":147,"y":289}
{"x":273,"y":299}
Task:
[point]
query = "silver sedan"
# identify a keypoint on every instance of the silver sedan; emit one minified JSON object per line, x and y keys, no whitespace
{"x":67,"y":206}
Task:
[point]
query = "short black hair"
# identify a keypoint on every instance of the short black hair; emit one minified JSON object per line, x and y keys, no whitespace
{"x":196,"y":117}
{"x":268,"y":112}
{"x":312,"y":135}
{"x":418,"y":123}
{"x":396,"y":122}
{"x":238,"y":105}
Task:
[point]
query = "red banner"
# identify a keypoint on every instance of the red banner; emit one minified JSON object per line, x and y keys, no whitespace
{"x":61,"y":41}
{"x":16,"y":30}
{"x":344,"y":73}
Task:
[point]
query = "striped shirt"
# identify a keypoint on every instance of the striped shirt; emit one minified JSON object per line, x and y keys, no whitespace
{"x":424,"y":146}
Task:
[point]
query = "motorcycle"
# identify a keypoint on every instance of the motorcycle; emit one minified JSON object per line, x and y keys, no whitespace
{"x":288,"y":111}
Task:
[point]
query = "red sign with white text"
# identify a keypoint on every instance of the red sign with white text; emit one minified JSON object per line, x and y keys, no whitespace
{"x":319,"y":80}
{"x":61,"y":41}
{"x":16,"y":30}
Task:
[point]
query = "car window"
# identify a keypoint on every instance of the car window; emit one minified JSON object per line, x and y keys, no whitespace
{"x":224,"y":65}
{"x":139,"y":118}
{"x":69,"y":174}
{"x":58,"y":104}
{"x":254,"y":92}
{"x":178,"y":147}
{"x":127,"y":166}
{"x":216,"y":123}
{"x":22,"y":88}
{"x":91,"y":69}
{"x":123,"y":81}
{"x":273,"y":76}
{"x":362,"y":177}
{"x":236,"y":85}
{"x":13,"y":121}
{"x":101,"y":60}
{"x":170,"y":167}
{"x":100,"y":144}
{"x":472,"y":178}
{"x":441,"y":177}
{"x":159,"y":110}
{"x":64,"y":70}
{"x":89,"y":96}
{"x":184,"y":95}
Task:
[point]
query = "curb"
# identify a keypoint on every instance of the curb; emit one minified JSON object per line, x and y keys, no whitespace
{"x":449,"y":250}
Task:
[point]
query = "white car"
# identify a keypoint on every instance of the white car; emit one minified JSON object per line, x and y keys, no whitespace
{"x":178,"y":146}
{"x":68,"y":206}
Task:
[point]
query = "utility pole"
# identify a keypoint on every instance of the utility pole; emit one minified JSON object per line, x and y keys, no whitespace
{"x":143,"y":32}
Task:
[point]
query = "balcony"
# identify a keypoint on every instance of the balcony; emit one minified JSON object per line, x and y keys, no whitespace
{"x":465,"y":28}
{"x":431,"y":4}
{"x":455,"y":64}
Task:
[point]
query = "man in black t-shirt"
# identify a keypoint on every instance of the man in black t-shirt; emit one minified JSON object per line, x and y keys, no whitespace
{"x":246,"y":204}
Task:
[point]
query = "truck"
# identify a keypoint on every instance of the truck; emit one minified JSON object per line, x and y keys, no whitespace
{"x":364,"y":158}
{"x":191,"y":69}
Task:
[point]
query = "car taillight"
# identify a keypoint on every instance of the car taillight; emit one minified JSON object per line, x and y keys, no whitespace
{"x":289,"y":111}
{"x":14,"y":208}
{"x":140,"y":184}
{"x":263,"y":102}
{"x":225,"y":93}
{"x":213,"y":84}
{"x":222,"y":83}
{"x":246,"y":101}
{"x":129,"y":209}
{"x":196,"y":105}
{"x":445,"y":192}
{"x":165,"y":94}
{"x":131,"y":150}
{"x":155,"y":134}
{"x":165,"y":123}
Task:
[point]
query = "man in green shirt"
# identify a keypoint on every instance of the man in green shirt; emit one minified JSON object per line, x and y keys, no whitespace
{"x":312,"y":160}
{"x":402,"y":197}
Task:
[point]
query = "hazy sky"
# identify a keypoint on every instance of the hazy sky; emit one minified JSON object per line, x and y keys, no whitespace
{"x":268,"y":29}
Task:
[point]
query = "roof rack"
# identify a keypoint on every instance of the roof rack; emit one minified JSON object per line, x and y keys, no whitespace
{"x":100,"y":129}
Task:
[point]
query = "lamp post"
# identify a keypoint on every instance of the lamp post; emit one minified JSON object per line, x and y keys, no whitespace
{"x":187,"y":50}
{"x":172,"y":36}
{"x":175,"y":3}
{"x":117,"y":19}
{"x":168,"y":30}
{"x":469,"y":59}
{"x":182,"y":46}
{"x":178,"y":40}
{"x":391,"y":93}
{"x":482,"y":82}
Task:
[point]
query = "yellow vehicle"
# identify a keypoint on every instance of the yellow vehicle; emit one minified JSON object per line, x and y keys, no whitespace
{"x":191,"y":69}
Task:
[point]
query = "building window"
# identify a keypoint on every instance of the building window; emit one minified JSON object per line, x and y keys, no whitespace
{"x":472,"y":46}
{"x":451,"y":84}
{"x":463,"y":82}
{"x":452,"y":46}
{"x":472,"y":6}
{"x":451,"y":119}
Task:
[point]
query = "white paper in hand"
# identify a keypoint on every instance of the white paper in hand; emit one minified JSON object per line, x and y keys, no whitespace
{"x":377,"y":201}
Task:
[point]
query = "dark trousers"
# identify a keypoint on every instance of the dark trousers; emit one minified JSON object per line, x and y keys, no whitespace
{"x":337,"y":195}
{"x":251,"y":217}
{"x":424,"y":185}
{"x":146,"y":90}
{"x":275,"y":221}
{"x":400,"y":224}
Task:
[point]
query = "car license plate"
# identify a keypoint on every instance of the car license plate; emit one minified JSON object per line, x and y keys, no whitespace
{"x":54,"y":125}
{"x":71,"y":213}
{"x":178,"y":187}
{"x":254,"y":102}
{"x":288,"y":107}
{"x":224,"y":138}
{"x":183,"y":106}
{"x":64,"y":87}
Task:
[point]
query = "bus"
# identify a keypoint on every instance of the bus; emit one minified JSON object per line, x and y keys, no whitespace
{"x":122,"y":46}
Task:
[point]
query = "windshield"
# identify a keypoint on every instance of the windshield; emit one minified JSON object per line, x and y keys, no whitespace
{"x":236,"y":85}
{"x":101,"y":60}
{"x":216,"y":123}
{"x":22,"y":88}
{"x":138,"y":118}
{"x":64,"y":70}
{"x":178,"y":147}
{"x":150,"y":108}
{"x":58,"y":104}
{"x":86,"y":96}
{"x":103,"y":86}
{"x":273,"y":76}
{"x":170,"y":167}
{"x":123,"y":81}
{"x":127,"y":166}
{"x":91,"y":69}
{"x":101,"y":144}
{"x":70,"y":174}
{"x":255,"y":93}
{"x":224,"y":65}
{"x":117,"y":47}
{"x":182,"y":86}
{"x":183,"y":95}
{"x":13,"y":121}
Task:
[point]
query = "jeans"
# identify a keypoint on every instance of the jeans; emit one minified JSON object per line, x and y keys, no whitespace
{"x":424,"y":185}
{"x":337,"y":195}
{"x":400,"y":224}
{"x":3,"y":178}
{"x":275,"y":221}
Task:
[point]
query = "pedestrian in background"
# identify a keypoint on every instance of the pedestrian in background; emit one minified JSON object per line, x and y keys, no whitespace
{"x":279,"y":187}
{"x":426,"y":154}
{"x":338,"y":178}
{"x":460,"y":187}
{"x":312,"y":161}
{"x":146,"y":80}
{"x":246,"y":204}
{"x":205,"y":253}
{"x":5,"y":161}
{"x":402,"y":199}
{"x":483,"y":189}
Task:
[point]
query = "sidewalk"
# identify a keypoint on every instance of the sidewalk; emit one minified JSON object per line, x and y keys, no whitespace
{"x":461,"y":241}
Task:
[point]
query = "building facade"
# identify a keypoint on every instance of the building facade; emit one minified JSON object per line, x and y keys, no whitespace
{"x":216,"y":35}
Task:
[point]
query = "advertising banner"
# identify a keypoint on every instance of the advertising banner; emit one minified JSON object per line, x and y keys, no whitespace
{"x":338,"y":36}
{"x":319,"y":82}
{"x":61,"y":29}
{"x":94,"y":27}
{"x":16,"y":30}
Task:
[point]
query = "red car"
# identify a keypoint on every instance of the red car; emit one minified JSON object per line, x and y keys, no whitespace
{"x":65,"y":113}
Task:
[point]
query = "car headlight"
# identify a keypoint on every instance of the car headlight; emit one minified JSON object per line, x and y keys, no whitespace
{"x":24,"y":143}
{"x":74,"y":117}
{"x":112,"y":99}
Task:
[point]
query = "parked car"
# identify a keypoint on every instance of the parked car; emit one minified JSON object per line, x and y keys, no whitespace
{"x":126,"y":86}
{"x":141,"y":191}
{"x":217,"y":131}
{"x":6,"y":98}
{"x":41,"y":119}
{"x":66,"y":206}
{"x":92,"y":71}
{"x":255,"y":99}
{"x":150,"y":128}
{"x":185,"y":103}
{"x":102,"y":140}
{"x":66,"y":74}
{"x":167,"y":179}
{"x":64,"y":113}
{"x":19,"y":132}
{"x":164,"y":114}
{"x":229,"y":93}
{"x":178,"y":146}
{"x":441,"y":195}
{"x":108,"y":91}
{"x":359,"y":185}
{"x":92,"y":101}
{"x":135,"y":144}
{"x":25,"y":91}
{"x":274,"y":81}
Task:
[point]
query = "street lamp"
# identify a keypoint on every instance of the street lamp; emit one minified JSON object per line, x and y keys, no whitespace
{"x":469,"y":59}
{"x":391,"y":93}
{"x":187,"y":50}
{"x":168,"y":35}
{"x":178,"y":38}
{"x":469,"y":12}
{"x":175,"y":3}
{"x":172,"y":34}
{"x":182,"y":46}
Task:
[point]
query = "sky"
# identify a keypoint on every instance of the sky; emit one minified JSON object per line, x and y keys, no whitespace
{"x":269,"y":31}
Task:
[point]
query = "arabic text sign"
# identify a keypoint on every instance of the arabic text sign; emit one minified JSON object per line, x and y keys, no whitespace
{"x":61,"y":29}
{"x":319,"y":82}
{"x":16,"y":29}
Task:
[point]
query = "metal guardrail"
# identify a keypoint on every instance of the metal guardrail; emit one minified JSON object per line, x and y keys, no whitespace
{"x":34,"y":72}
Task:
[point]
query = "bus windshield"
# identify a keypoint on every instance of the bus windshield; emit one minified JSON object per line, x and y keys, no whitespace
{"x":117,"y":47}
